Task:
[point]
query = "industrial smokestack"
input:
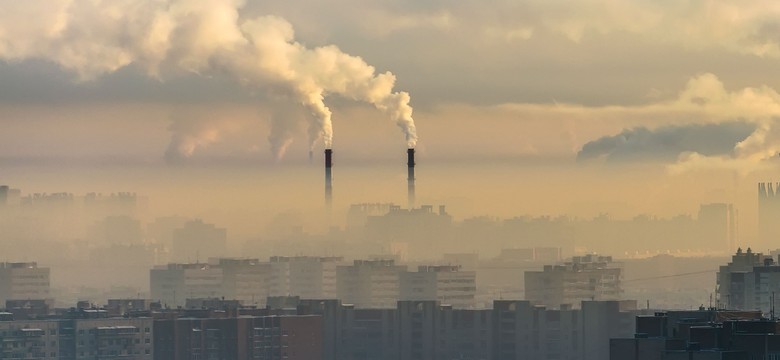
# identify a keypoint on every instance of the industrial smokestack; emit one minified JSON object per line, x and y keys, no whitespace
{"x":410,"y":178}
{"x":328,"y":176}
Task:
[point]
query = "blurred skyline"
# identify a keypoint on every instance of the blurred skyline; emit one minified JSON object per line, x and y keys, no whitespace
{"x":526,"y":107}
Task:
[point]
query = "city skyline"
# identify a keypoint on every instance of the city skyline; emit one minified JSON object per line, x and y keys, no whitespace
{"x":520,"y":108}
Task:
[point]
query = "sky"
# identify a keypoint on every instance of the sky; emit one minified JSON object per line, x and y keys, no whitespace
{"x":680,"y":95}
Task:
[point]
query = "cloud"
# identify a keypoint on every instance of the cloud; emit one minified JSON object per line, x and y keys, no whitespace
{"x":667,"y":143}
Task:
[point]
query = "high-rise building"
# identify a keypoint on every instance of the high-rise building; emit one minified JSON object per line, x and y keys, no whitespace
{"x":589,"y":277}
{"x":446,"y":284}
{"x":748,"y":282}
{"x":106,"y":338}
{"x":245,"y":280}
{"x":369,"y":283}
{"x":768,"y":213}
{"x":23,"y":281}
{"x":309,"y":277}
{"x":173,"y":284}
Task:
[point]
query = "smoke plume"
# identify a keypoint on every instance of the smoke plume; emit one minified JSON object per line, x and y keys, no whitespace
{"x":206,"y":37}
{"x":190,"y":134}
{"x":668,"y":142}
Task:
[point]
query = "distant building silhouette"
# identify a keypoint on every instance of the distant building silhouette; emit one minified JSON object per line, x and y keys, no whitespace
{"x":768,"y":213}
{"x":589,"y":277}
{"x":718,"y":224}
{"x":198,"y":240}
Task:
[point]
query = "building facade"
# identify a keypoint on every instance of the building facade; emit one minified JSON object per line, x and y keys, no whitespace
{"x":173,"y":284}
{"x":748,"y":282}
{"x":369,"y":283}
{"x":445,"y":283}
{"x":23,"y":281}
{"x":589,"y":277}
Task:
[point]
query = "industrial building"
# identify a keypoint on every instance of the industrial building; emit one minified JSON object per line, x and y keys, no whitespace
{"x":198,"y":240}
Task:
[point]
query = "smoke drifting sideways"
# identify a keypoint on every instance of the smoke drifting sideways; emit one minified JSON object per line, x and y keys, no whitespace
{"x":205,"y":37}
{"x":667,"y":143}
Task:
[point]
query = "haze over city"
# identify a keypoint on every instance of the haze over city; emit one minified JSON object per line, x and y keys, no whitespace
{"x":496,"y":142}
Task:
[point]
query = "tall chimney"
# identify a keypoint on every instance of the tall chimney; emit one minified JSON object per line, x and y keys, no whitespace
{"x":328,"y":176}
{"x":410,"y":178}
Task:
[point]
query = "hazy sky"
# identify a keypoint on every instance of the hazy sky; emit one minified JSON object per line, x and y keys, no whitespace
{"x":689,"y":86}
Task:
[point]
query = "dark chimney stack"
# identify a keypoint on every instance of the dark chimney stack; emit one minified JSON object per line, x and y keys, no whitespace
{"x":328,"y":176}
{"x":410,"y":178}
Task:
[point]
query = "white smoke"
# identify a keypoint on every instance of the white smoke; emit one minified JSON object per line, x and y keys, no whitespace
{"x":206,"y":37}
{"x":190,"y":133}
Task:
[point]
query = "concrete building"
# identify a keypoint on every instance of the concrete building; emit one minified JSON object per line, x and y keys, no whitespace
{"x":308,"y":277}
{"x":30,"y":340}
{"x":172,"y":284}
{"x":589,"y":277}
{"x":706,"y":334}
{"x":604,"y":320}
{"x":215,"y":336}
{"x":112,"y":338}
{"x":198,"y":240}
{"x":23,"y":281}
{"x":446,"y":284}
{"x":245,"y":280}
{"x":748,"y":282}
{"x":77,"y":339}
{"x":512,"y":329}
{"x":369,"y":283}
